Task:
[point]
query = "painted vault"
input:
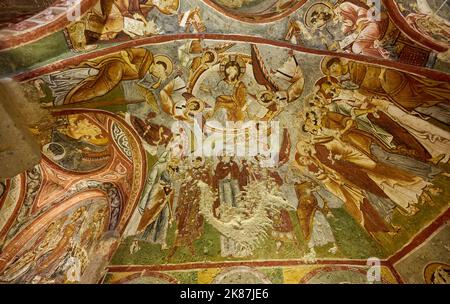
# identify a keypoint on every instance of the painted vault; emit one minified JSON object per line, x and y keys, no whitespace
{"x":150,"y":169}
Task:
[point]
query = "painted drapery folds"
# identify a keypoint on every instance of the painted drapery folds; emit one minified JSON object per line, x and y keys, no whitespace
{"x":151,"y":172}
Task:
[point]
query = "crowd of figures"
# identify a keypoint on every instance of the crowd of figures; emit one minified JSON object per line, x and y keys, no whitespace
{"x":174,"y":196}
{"x":371,"y":138}
{"x":367,"y":139}
{"x":376,"y":137}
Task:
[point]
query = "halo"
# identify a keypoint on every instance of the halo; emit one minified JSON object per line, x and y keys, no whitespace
{"x":431,"y":268}
{"x":195,"y":100}
{"x":50,"y":154}
{"x":215,"y":56}
{"x":265,"y":104}
{"x":317,"y":7}
{"x":167,"y":61}
{"x":233,"y":59}
{"x":326,"y":60}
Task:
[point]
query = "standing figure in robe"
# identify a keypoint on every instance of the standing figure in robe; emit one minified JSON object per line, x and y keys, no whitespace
{"x":188,"y":217}
{"x":129,"y":64}
{"x":226,"y":179}
{"x":150,"y":221}
{"x":247,"y":174}
{"x":158,"y":212}
{"x":349,"y":154}
{"x":312,"y":218}
{"x":282,"y":227}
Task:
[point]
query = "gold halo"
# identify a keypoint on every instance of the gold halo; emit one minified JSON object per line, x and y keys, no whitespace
{"x":233,"y":59}
{"x":324,"y":63}
{"x":167,"y":61}
{"x":200,"y":103}
{"x":215,"y":56}
{"x":430,"y":269}
{"x":265,"y":104}
{"x":316,"y":7}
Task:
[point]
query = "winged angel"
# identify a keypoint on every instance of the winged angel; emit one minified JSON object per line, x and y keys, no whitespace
{"x":278,"y":94}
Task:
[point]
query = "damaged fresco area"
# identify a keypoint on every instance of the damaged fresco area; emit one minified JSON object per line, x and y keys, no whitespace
{"x":429,"y":18}
{"x":352,"y":164}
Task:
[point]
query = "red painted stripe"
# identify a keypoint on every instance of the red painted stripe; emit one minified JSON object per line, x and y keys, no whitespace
{"x":4,"y":195}
{"x":401,"y":23}
{"x":206,"y":265}
{"x":396,"y":274}
{"x":63,"y":64}
{"x":420,"y":237}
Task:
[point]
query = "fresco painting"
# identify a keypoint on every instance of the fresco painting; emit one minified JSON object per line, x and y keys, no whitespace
{"x":151,"y":172}
{"x":428,"y":17}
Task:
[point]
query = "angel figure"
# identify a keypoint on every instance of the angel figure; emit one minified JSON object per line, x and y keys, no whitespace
{"x":277,"y":95}
{"x":176,"y":98}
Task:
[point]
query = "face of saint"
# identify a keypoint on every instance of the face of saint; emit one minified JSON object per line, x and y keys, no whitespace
{"x":336,"y":69}
{"x":159,"y":71}
{"x":208,"y":57}
{"x":197,"y":163}
{"x":319,"y":101}
{"x":193,"y":106}
{"x":311,"y":124}
{"x":320,"y":18}
{"x":231,"y":73}
{"x":331,"y":90}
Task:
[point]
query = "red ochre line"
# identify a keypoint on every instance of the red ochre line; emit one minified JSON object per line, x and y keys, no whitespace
{"x":63,"y":64}
{"x":420,"y":237}
{"x":206,"y":265}
{"x":395,"y":273}
{"x":402,"y":24}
